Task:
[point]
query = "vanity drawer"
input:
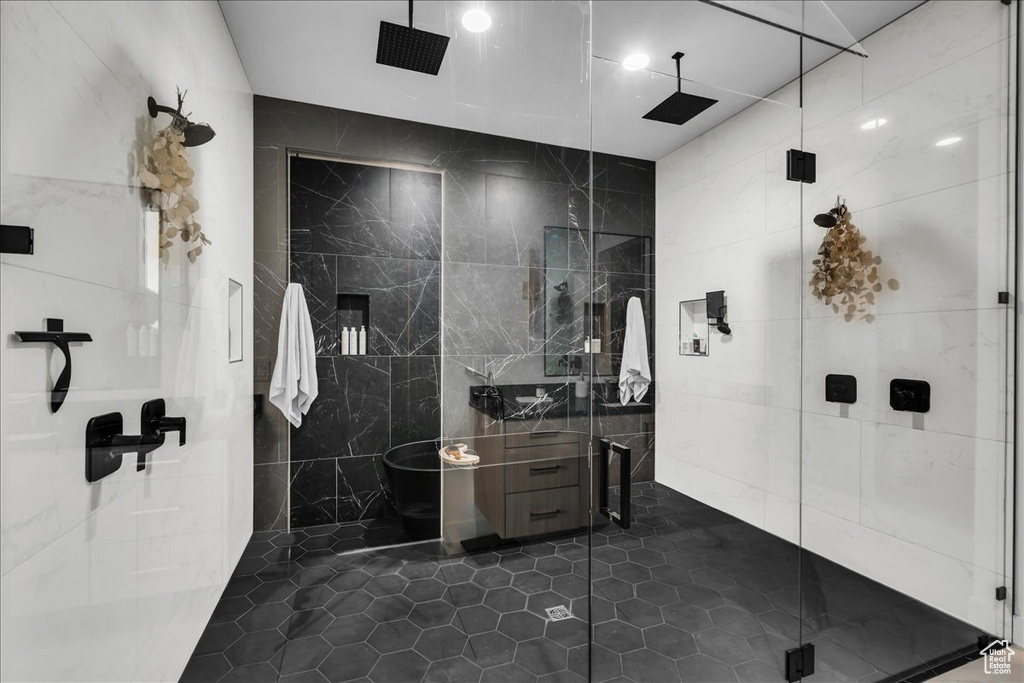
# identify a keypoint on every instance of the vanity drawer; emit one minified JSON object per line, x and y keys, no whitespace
{"x":540,"y":438}
{"x":542,"y":474}
{"x":542,"y":512}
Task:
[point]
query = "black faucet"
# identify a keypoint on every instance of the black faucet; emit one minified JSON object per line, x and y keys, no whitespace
{"x":155,"y":425}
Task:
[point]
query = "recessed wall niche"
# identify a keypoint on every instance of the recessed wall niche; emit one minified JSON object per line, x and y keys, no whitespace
{"x":693,"y":327}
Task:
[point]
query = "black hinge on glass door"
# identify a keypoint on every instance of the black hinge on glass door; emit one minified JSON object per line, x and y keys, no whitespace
{"x":801,"y":166}
{"x":799,"y":662}
{"x":625,"y":466}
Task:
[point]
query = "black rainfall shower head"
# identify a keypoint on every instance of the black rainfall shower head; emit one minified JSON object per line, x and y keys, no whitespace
{"x":679,"y":107}
{"x":405,"y":47}
{"x":195,"y":133}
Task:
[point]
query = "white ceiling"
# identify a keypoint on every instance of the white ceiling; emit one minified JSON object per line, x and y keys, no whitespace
{"x":529,"y":76}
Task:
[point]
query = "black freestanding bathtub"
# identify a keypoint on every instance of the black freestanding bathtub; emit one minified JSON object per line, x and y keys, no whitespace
{"x":414,"y":474}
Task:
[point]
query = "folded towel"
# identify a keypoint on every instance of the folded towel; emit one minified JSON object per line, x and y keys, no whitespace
{"x":635,"y":373}
{"x":294,"y":384}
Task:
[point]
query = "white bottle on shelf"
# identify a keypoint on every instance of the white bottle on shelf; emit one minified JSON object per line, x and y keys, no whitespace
{"x":353,"y":341}
{"x":362,"y":341}
{"x":344,"y":341}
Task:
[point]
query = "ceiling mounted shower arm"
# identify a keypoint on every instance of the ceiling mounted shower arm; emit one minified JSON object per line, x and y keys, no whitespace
{"x":410,"y":13}
{"x":679,"y":70}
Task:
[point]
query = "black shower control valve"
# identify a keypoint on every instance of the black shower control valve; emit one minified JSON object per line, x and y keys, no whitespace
{"x":912,"y":395}
{"x":840,"y":388}
{"x":155,"y":425}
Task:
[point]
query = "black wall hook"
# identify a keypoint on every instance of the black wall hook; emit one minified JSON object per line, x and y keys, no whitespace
{"x":56,"y":335}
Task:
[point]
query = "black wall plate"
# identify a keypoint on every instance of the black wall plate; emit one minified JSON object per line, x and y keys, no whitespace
{"x":17,"y":239}
{"x":840,"y":388}
{"x":99,"y":435}
{"x":913,"y":395}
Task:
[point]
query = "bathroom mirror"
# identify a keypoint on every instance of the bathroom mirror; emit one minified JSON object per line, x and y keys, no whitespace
{"x":622,"y":269}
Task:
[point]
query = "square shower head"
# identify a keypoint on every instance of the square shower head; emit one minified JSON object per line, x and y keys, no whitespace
{"x":409,"y":48}
{"x":678,"y":108}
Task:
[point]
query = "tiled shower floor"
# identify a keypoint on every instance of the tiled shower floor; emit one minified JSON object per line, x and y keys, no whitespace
{"x":687,"y":594}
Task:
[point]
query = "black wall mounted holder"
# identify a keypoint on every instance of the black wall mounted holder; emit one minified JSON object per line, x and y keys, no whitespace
{"x":716,"y":309}
{"x":912,"y":395}
{"x":17,"y":239}
{"x":840,"y":388}
{"x":154,"y":425}
{"x":56,"y":335}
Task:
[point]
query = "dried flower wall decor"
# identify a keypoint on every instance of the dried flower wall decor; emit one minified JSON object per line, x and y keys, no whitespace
{"x":845,"y":274}
{"x":168,"y":175}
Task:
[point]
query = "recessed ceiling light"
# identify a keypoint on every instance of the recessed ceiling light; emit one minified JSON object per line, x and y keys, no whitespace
{"x":873,"y":123}
{"x":635,"y":62}
{"x":476,"y":20}
{"x":946,"y":142}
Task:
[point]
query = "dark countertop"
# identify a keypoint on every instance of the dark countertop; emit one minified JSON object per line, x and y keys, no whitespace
{"x":560,"y":401}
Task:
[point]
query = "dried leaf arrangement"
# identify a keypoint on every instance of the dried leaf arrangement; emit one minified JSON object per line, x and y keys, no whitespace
{"x":168,"y":176}
{"x":845,"y":274}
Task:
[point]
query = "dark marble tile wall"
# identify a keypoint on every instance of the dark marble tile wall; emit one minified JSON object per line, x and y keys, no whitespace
{"x":497,"y":194}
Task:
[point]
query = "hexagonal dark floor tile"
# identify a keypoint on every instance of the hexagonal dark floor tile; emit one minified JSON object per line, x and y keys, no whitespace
{"x":723,"y":646}
{"x":647,"y":665}
{"x":441,"y":642}
{"x":700,"y":596}
{"x":466,"y":594}
{"x":382,"y":564}
{"x":686,"y":617}
{"x":349,"y":662}
{"x":657,"y":593}
{"x":541,"y":656}
{"x":352,"y":602}
{"x":489,"y":649}
{"x":613,"y":589}
{"x":273,"y":591}
{"x":669,"y":641}
{"x":554,"y":565}
{"x":311,"y":597}
{"x":671,"y":575}
{"x":507,"y":673}
{"x":313,"y":676}
{"x":389,"y":584}
{"x":455,"y":573}
{"x":639,"y":613}
{"x":747,"y":599}
{"x":217,"y":638}
{"x":735,"y":620}
{"x":570,"y":585}
{"x":572,"y":551}
{"x":705,"y":669}
{"x":609,"y":554}
{"x":393,"y":636}
{"x":521,"y":626}
{"x":453,"y":670}
{"x":432,"y":613}
{"x":399,"y":666}
{"x":304,"y":654}
{"x":261,"y":646}
{"x":607,"y":665}
{"x":531,"y":581}
{"x":492,"y":577}
{"x":568,"y":632}
{"x":422,"y":590}
{"x":418,"y":570}
{"x":517,"y":562}
{"x":389,"y":608}
{"x":506,"y":599}
{"x":346,"y":630}
{"x":646,"y":557}
{"x":618,"y":636}
{"x":253,"y":673}
{"x":539,"y":603}
{"x":476,"y":619}
{"x":306,"y":623}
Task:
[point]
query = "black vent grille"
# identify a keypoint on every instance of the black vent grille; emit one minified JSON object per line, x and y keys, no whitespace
{"x":410,"y":48}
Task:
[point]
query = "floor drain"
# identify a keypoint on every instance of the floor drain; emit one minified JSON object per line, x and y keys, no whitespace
{"x":558,"y":613}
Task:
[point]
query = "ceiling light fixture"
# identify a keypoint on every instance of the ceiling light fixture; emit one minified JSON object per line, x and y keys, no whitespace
{"x":873,"y":124}
{"x":946,"y":142}
{"x":476,"y":20}
{"x":636,"y":62}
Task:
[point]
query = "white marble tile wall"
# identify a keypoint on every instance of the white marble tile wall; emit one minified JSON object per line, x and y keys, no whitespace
{"x":914,"y":502}
{"x":114,"y":581}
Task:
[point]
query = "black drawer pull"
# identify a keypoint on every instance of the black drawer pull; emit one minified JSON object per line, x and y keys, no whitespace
{"x":546,"y":513}
{"x":549,"y":468}
{"x":548,"y":432}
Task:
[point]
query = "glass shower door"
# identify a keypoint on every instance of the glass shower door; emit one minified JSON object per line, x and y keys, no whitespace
{"x":907,"y":267}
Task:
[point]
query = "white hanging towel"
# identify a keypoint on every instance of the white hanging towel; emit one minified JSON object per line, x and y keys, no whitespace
{"x":294,"y":384}
{"x":635,"y":373}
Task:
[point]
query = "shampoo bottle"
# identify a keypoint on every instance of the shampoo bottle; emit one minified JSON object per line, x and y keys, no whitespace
{"x":362,"y":341}
{"x":344,"y":341}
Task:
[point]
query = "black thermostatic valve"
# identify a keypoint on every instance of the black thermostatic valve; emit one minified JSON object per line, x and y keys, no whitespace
{"x":913,"y":395}
{"x":840,"y":388}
